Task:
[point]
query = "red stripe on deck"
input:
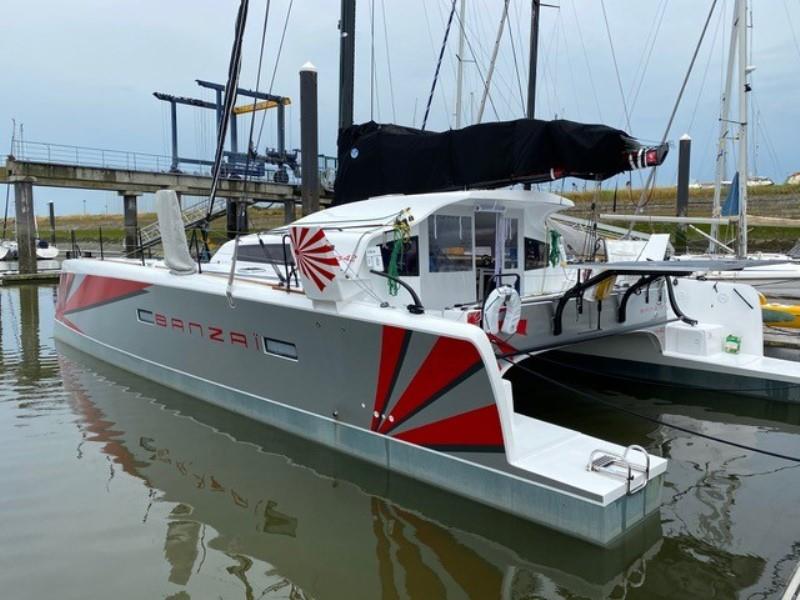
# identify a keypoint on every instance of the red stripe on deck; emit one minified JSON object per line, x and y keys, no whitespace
{"x":95,"y":290}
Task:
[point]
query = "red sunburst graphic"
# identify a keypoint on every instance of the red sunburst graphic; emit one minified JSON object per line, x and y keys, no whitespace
{"x":314,"y":255}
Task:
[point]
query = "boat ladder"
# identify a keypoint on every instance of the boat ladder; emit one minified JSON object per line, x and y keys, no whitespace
{"x":621,"y":467}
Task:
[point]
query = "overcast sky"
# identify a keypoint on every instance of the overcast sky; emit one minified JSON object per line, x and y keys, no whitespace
{"x":82,"y":73}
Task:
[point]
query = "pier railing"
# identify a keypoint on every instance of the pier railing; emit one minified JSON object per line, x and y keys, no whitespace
{"x":42,"y":152}
{"x":84,"y":156}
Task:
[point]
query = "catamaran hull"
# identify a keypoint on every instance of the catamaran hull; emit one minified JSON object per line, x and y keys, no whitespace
{"x":638,"y":357}
{"x":724,"y":352}
{"x":444,"y":428}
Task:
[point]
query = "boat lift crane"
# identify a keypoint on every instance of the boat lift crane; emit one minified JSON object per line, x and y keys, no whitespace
{"x":238,"y":163}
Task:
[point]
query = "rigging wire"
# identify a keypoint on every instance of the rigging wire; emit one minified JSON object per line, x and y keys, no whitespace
{"x":493,"y":60}
{"x":439,"y":64}
{"x":433,"y":50}
{"x":644,"y":198}
{"x":516,"y":68}
{"x":586,"y":60}
{"x":638,"y":71}
{"x":451,"y":62}
{"x":649,"y":55}
{"x":388,"y":60}
{"x":767,"y":138}
{"x":791,"y":28}
{"x":616,"y":66}
{"x":595,"y":398}
{"x":272,"y":78}
{"x":705,"y":71}
{"x":482,"y":52}
{"x":476,"y":61}
{"x":571,"y":69}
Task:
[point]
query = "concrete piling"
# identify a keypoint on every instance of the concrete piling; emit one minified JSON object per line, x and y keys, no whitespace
{"x":309,"y":145}
{"x":26,"y":224}
{"x":130,"y":220}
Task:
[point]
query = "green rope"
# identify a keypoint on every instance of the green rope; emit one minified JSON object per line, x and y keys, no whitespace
{"x":397,"y":254}
{"x":554,"y":256}
{"x":401,"y":236}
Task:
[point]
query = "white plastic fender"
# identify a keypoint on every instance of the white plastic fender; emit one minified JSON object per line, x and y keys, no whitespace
{"x":502,"y":296}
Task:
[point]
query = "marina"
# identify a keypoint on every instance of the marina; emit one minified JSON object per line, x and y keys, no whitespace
{"x":196,"y":500}
{"x":484,"y":349}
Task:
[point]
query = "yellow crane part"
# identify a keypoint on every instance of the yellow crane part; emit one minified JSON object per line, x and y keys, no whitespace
{"x":779,"y":315}
{"x":263,"y":105}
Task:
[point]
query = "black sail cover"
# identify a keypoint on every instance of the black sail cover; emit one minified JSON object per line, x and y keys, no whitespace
{"x":377,"y":159}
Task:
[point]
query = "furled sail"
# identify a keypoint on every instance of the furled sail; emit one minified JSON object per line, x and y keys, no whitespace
{"x":377,"y":159}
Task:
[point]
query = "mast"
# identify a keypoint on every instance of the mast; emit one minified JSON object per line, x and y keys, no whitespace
{"x":535,"y":8}
{"x":460,"y":74}
{"x":724,"y":127}
{"x":533,"y":58}
{"x":744,"y":87}
{"x":347,"y":52}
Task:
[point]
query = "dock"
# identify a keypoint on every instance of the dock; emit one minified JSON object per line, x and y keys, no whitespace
{"x":781,"y":338}
{"x":42,"y":277}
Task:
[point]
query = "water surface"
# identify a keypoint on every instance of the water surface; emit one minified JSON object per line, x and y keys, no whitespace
{"x":113,"y":487}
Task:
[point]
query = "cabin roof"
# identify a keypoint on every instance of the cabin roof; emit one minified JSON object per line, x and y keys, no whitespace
{"x":421,"y":206}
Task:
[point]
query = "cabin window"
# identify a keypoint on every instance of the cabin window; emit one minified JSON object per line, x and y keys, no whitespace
{"x":145,"y":316}
{"x":266,"y":253}
{"x":407,"y":260}
{"x":450,"y":243}
{"x":279,"y":348}
{"x":535,"y":254}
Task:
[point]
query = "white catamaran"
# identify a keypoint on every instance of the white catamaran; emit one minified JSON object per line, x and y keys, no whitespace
{"x":385,"y":325}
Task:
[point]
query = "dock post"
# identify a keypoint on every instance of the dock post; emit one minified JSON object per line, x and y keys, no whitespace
{"x":281,"y":128}
{"x":25,"y":222}
{"x":231,"y":224}
{"x":29,"y":331}
{"x":308,"y":139}
{"x":130,"y":221}
{"x":52,"y":210}
{"x":242,"y":217}
{"x":288,"y":211}
{"x":173,"y":113}
{"x":684,"y":155}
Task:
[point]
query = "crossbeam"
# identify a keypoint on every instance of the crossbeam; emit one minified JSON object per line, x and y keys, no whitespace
{"x":239,"y":91}
{"x":263,"y":105}
{"x":184,"y":100}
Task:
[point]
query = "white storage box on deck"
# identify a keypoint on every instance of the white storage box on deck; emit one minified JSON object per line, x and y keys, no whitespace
{"x":698,"y":340}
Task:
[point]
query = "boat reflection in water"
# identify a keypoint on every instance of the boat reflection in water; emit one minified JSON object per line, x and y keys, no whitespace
{"x":327,"y":525}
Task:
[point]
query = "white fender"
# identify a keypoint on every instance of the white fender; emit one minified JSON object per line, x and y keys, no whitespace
{"x":507,"y":297}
